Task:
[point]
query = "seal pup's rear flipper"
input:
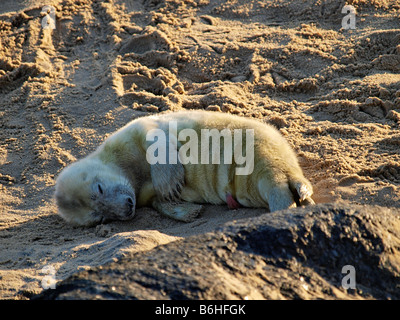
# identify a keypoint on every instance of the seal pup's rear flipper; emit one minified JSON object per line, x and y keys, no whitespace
{"x":302,"y":191}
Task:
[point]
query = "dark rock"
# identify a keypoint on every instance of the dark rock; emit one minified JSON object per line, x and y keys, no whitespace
{"x":291,"y":254}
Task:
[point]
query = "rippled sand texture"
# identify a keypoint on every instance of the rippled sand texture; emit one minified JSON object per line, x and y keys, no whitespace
{"x":333,"y":93}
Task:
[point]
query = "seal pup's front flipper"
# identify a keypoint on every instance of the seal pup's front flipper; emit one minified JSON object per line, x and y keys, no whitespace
{"x":183,"y":211}
{"x":168,"y":180}
{"x":166,"y":169}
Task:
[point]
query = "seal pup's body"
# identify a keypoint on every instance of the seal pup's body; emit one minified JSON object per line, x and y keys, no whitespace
{"x":120,"y":169}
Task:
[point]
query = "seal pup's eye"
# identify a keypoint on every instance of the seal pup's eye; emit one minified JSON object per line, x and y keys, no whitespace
{"x":99,"y":188}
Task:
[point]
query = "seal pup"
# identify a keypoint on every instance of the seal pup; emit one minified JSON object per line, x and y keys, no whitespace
{"x":120,"y":176}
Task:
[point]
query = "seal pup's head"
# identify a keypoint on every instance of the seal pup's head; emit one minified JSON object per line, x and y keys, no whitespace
{"x":89,"y":192}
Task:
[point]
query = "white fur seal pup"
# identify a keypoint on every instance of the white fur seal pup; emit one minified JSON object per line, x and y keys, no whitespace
{"x":120,"y":176}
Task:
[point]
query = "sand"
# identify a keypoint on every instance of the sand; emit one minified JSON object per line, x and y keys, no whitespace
{"x":333,"y":93}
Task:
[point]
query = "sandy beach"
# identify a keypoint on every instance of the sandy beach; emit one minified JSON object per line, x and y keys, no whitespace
{"x":334,"y":94}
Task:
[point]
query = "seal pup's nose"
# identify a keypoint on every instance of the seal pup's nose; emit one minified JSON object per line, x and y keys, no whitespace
{"x":130,"y":204}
